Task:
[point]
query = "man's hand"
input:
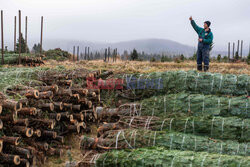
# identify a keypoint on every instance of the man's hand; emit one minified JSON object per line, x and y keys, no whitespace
{"x":190,"y":18}
{"x":200,"y":39}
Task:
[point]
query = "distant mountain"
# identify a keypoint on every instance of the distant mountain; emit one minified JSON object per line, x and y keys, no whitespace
{"x":146,"y":45}
{"x":156,"y":46}
{"x":150,"y":46}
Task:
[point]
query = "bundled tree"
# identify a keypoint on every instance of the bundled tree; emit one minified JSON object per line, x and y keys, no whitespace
{"x":125,"y":139}
{"x":23,"y":45}
{"x":162,"y":157}
{"x":191,"y":81}
{"x":196,"y":105}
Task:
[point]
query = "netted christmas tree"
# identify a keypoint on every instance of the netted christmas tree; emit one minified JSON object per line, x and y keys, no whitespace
{"x":159,"y":156}
{"x":196,"y":105}
{"x":145,"y":85}
{"x":225,"y":128}
{"x":122,"y":139}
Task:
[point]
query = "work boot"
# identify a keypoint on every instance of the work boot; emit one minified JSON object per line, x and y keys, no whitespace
{"x":206,"y":68}
{"x":199,"y":67}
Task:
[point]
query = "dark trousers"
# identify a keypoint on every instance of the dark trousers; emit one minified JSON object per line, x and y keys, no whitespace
{"x":203,"y":54}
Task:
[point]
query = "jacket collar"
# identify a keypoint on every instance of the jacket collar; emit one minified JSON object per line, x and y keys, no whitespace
{"x":209,"y":30}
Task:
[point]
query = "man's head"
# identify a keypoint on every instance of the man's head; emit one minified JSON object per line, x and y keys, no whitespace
{"x":207,"y":24}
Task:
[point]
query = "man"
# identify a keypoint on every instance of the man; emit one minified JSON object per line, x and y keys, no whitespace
{"x":204,"y":41}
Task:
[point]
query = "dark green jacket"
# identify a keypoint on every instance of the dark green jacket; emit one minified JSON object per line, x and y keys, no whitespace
{"x":206,"y":36}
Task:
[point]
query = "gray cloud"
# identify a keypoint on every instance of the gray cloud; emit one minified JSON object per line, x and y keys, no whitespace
{"x":120,"y":20}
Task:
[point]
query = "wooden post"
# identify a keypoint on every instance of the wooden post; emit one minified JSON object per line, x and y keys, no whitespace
{"x":108,"y":53}
{"x":15,"y":34}
{"x":81,"y":56}
{"x":88,"y":53}
{"x":238,"y":47}
{"x":19,"y":43}
{"x":95,"y":57}
{"x":77,"y":58}
{"x":249,"y":50}
{"x":41,"y":40}
{"x":105,"y":59}
{"x":2,"y":37}
{"x":116,"y":53}
{"x":85,"y":53}
{"x":233,"y":49}
{"x":113,"y":55}
{"x":228,"y":50}
{"x":241,"y":48}
{"x":74,"y":48}
{"x":26,"y":24}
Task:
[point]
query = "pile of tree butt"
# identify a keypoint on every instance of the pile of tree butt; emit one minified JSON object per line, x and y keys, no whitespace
{"x":36,"y":119}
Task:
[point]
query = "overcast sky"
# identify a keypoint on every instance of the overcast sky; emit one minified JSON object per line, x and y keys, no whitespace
{"x":121,"y":20}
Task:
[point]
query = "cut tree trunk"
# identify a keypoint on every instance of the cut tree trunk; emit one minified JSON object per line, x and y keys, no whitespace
{"x":28,"y":111}
{"x":32,"y":93}
{"x":50,"y":123}
{"x":11,"y":105}
{"x":64,"y":92}
{"x":23,"y":130}
{"x":56,"y":116}
{"x":53,"y":88}
{"x":49,"y":134}
{"x":10,"y":140}
{"x":21,"y":122}
{"x":46,"y":106}
{"x":22,"y":152}
{"x":9,"y":159}
{"x":58,"y":106}
{"x":46,"y":95}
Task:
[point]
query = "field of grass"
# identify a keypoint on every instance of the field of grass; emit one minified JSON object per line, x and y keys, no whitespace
{"x":147,"y":67}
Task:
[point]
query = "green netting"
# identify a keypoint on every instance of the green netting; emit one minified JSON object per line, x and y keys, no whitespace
{"x":196,"y":105}
{"x":191,"y":81}
{"x":159,"y":156}
{"x":225,"y":128}
{"x":173,"y":141}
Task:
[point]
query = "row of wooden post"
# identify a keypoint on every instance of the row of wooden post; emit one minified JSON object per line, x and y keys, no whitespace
{"x":26,"y":35}
{"x":239,"y":49}
{"x":76,"y":56}
{"x":107,"y":54}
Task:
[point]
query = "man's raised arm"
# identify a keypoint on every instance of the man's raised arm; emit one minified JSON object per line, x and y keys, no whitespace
{"x":195,"y":26}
